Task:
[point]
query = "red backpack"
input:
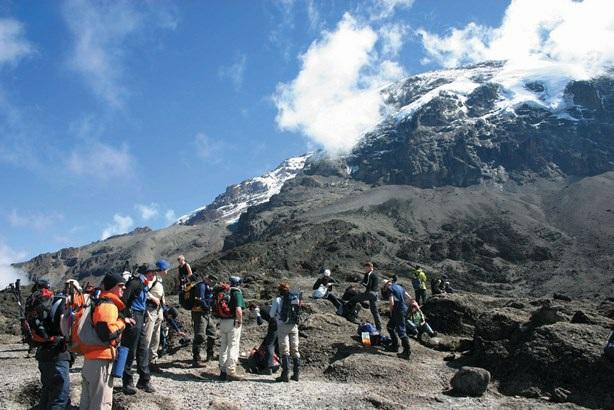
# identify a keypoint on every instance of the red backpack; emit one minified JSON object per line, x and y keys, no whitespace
{"x":221,"y":302}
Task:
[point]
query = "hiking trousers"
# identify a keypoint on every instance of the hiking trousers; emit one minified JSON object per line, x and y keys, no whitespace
{"x":230,"y":337}
{"x":134,"y":339}
{"x":203,"y":325}
{"x":153,"y":322}
{"x":96,"y":385}
{"x":372,"y":298}
{"x":396,"y":326}
{"x":420,"y":296}
{"x":287,"y":338}
{"x":55,"y":378}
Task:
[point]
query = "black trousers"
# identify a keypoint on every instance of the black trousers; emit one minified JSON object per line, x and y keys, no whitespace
{"x":372,"y":298}
{"x":133,"y":338}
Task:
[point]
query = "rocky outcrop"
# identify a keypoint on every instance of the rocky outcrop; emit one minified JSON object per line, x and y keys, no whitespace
{"x":470,"y":381}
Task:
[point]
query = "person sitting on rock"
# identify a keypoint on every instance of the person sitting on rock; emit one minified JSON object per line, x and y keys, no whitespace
{"x":371,"y":283}
{"x":416,"y":322}
{"x":323,"y":288}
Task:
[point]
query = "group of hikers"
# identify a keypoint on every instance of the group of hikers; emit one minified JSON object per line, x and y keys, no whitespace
{"x":126,"y":319}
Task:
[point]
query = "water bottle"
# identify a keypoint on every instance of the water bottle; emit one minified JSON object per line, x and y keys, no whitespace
{"x":120,"y":361}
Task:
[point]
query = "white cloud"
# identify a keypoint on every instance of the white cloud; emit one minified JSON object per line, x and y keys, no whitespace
{"x":170,"y":216}
{"x":335,"y":98}
{"x":234,"y":72}
{"x":313,"y":14}
{"x":147,"y":212}
{"x":9,"y":274}
{"x":101,"y":32}
{"x":38,"y":221}
{"x":567,"y":36}
{"x":381,"y":9}
{"x":392,"y":37}
{"x":121,"y":224}
{"x":13,"y":45}
{"x":101,"y":161}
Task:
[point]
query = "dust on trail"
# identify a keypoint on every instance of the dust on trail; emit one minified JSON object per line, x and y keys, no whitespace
{"x":374,"y":380}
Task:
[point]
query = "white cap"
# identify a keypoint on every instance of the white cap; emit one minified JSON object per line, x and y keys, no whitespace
{"x":327,"y":272}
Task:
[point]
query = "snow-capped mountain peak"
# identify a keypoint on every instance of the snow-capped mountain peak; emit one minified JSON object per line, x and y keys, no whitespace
{"x":229,"y":206}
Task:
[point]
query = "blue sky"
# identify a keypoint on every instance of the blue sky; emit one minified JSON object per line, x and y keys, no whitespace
{"x":121,"y":114}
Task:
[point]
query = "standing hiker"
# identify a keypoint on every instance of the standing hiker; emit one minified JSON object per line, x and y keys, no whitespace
{"x":419,"y":285}
{"x":371,"y":283}
{"x":396,"y":325}
{"x":228,"y":305}
{"x":154,"y":315}
{"x":286,"y":311}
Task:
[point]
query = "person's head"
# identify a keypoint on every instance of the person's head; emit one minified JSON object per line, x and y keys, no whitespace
{"x":234,"y":281}
{"x":368,"y":266}
{"x":394,"y":278}
{"x":148,"y":270}
{"x":326,"y":273}
{"x":414,"y":306}
{"x":114,"y":283}
{"x":388,"y":283}
{"x":181,"y":260}
{"x":283,"y":288}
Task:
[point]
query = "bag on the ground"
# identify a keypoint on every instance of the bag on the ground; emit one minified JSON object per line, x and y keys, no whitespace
{"x":367,"y":327}
{"x":320,"y":292}
{"x":43,"y":314}
{"x":609,"y":347}
{"x":291,"y":305}
{"x":256,"y":361}
{"x":221,"y":301}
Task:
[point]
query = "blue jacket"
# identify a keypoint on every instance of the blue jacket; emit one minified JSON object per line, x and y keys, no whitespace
{"x":398,"y":293}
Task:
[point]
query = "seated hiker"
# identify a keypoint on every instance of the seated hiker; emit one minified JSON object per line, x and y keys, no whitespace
{"x":347,"y":310}
{"x":323,"y":288}
{"x":437,"y":286}
{"x":170,"y":328}
{"x":416,"y":322}
{"x":371,"y":283}
{"x":446,"y":285}
{"x":263,"y":357}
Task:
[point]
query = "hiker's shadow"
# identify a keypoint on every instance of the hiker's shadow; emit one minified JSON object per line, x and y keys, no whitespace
{"x":343,"y":351}
{"x":184,"y":377}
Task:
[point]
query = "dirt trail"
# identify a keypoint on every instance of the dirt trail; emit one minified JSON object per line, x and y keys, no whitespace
{"x":364,"y":379}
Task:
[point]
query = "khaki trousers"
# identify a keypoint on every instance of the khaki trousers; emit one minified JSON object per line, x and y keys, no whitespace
{"x":153,"y":322}
{"x":230,"y":337}
{"x":96,"y":385}
{"x":287,"y":338}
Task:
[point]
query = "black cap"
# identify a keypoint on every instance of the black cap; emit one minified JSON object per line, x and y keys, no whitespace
{"x":146,"y":267}
{"x":111,"y":280}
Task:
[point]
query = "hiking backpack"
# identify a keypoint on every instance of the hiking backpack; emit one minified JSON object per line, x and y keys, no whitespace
{"x":222,"y":308}
{"x":43,"y":312}
{"x":609,"y":347}
{"x":291,"y":305}
{"x":186,"y":296}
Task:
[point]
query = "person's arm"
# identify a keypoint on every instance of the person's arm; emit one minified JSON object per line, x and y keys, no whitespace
{"x":107,"y":323}
{"x":391,"y":303}
{"x":238,"y":304}
{"x":317,"y":284}
{"x":188,"y":269}
{"x":422,"y":317}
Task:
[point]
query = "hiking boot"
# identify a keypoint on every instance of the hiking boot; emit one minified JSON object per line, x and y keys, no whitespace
{"x":406,"y":353}
{"x":196,"y":363}
{"x":146,"y":387}
{"x":285,"y":368}
{"x":296,"y":368}
{"x":223,"y":376}
{"x":155,"y":368}
{"x":233,"y":377}
{"x":128,"y":390}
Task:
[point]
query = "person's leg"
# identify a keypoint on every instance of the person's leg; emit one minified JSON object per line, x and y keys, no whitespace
{"x":375,"y":311}
{"x":142,"y":355}
{"x":226,"y":326}
{"x":269,"y":342}
{"x":199,"y":336}
{"x":233,"y":351}
{"x":394,"y":347}
{"x":132,"y":335}
{"x":84,"y":402}
{"x":333,"y":299}
{"x":284,"y":350}
{"x":294,"y":353}
{"x":210,"y":332}
{"x":411,"y":328}
{"x":59,"y":391}
{"x":101,"y":385}
{"x":154,"y":345}
{"x":46,"y":371}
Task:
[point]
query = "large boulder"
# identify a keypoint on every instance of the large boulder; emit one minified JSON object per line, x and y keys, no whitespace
{"x":470,"y":381}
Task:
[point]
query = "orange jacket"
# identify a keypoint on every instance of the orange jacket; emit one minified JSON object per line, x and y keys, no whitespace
{"x":106,"y":319}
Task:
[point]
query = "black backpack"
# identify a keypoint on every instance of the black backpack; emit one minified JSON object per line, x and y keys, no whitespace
{"x":608,"y":350}
{"x":291,"y":305}
{"x":43,"y":312}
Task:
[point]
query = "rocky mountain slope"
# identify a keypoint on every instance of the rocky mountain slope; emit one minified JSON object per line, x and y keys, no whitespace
{"x":500,"y":180}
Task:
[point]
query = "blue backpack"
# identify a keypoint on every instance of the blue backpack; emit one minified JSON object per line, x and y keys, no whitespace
{"x":368,"y":328}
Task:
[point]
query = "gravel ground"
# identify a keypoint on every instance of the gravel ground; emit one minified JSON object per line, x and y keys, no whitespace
{"x":418,"y":384}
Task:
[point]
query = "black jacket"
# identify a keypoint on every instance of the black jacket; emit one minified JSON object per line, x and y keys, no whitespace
{"x":324,"y":280}
{"x":371,"y":282}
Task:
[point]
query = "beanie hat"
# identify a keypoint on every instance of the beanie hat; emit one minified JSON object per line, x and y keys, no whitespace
{"x":111,"y":280}
{"x":234,"y":281}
